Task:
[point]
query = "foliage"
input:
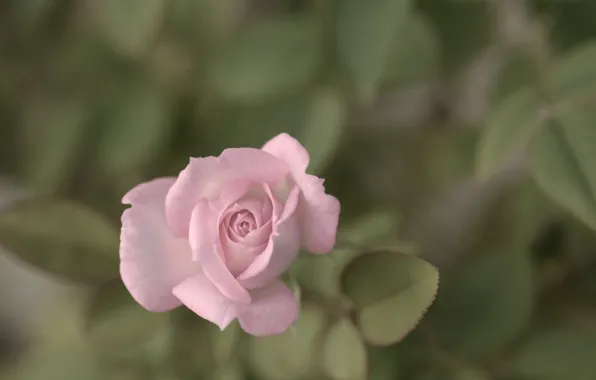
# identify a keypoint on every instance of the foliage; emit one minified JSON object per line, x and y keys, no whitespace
{"x":459,"y":136}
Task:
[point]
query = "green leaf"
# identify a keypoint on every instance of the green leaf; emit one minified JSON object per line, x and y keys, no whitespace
{"x":366,"y":31}
{"x":563,"y":156}
{"x":244,"y":125}
{"x":130,"y":26}
{"x":136,"y":128}
{"x":383,"y":363}
{"x":415,"y":53}
{"x":63,"y":238}
{"x":267,"y":59}
{"x":321,"y":274}
{"x":574,"y":73}
{"x":229,"y":372}
{"x":486,"y":305}
{"x":557,"y":354}
{"x":30,"y":14}
{"x":389,"y":307}
{"x":321,"y":134}
{"x":118,"y":328}
{"x":371,"y":229}
{"x":508,"y":132}
{"x":289,"y":355}
{"x":453,"y":374}
{"x":191,"y":347}
{"x":344,"y":352}
{"x":51,"y":133}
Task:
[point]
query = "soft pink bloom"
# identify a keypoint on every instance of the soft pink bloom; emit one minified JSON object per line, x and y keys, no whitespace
{"x":218,"y":237}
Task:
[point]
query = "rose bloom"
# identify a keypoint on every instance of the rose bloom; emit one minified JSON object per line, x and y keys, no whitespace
{"x":218,"y":237}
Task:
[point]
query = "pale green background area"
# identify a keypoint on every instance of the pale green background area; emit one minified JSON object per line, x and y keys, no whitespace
{"x":459,"y":136}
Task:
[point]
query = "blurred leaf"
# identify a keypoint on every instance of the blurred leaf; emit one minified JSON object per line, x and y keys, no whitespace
{"x":508,"y":131}
{"x":32,"y":13}
{"x":517,"y":72}
{"x":486,"y":305}
{"x":191,"y":350}
{"x":323,"y":128}
{"x":383,"y":363}
{"x":344,"y":352}
{"x":372,"y":229}
{"x":130,"y":26}
{"x":321,"y":274}
{"x":460,"y":40}
{"x":453,"y":374}
{"x":229,"y":372}
{"x":225,"y":342}
{"x":556,"y":355}
{"x":389,"y":307}
{"x":65,"y":239}
{"x":52,"y":131}
{"x":265,"y":60}
{"x":563,"y":157}
{"x":289,"y":355}
{"x":119,"y":328}
{"x":415,"y":56}
{"x":574,"y":73}
{"x":254,"y":125}
{"x":70,"y":360}
{"x":59,"y":351}
{"x":137,"y":127}
{"x":366,"y":31}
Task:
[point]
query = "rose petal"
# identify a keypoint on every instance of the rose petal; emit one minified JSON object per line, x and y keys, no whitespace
{"x":290,"y":150}
{"x":319,"y":214}
{"x":274,"y":308}
{"x":206,"y":247}
{"x":206,"y":177}
{"x":282,"y":249}
{"x":149,"y":192}
{"x":202,"y":297}
{"x":320,"y":211}
{"x":152,"y":261}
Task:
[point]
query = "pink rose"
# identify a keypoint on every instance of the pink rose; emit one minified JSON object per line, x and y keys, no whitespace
{"x":217,"y":238}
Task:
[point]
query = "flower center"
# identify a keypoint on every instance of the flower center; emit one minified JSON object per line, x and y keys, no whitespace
{"x":243,"y":222}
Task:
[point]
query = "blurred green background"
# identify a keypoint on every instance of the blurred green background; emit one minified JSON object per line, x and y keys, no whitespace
{"x":460,"y":133}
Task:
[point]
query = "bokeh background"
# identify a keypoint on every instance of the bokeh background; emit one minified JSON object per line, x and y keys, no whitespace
{"x":417,"y":113}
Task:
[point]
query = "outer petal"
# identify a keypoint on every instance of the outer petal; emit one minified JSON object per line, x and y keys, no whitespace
{"x":204,"y":178}
{"x":206,"y":247}
{"x":290,"y":150}
{"x":282,"y":249}
{"x":320,"y":211}
{"x":152,"y":261}
{"x":273,"y":310}
{"x":200,"y":295}
{"x":151,"y":192}
{"x":319,"y":214}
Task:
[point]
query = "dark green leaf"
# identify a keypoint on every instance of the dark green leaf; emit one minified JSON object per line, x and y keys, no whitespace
{"x":563,"y":158}
{"x":265,"y":60}
{"x":119,"y":328}
{"x":415,"y":55}
{"x":52,"y":131}
{"x":557,"y":355}
{"x":391,"y":305}
{"x":366,"y":31}
{"x":289,"y":355}
{"x":574,"y":73}
{"x":65,"y":239}
{"x":130,"y":26}
{"x":321,"y":134}
{"x":509,"y":131}
{"x":486,"y":305}
{"x":137,"y":127}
